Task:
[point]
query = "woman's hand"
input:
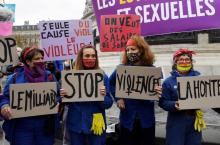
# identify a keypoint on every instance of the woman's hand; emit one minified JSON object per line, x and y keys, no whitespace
{"x":177,"y":105}
{"x":121,"y":104}
{"x":158,"y":90}
{"x":63,"y":93}
{"x":6,"y":112}
{"x":103,"y":91}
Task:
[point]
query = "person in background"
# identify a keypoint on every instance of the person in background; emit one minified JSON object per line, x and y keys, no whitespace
{"x":10,"y":69}
{"x":51,"y":66}
{"x":137,"y":117}
{"x":66,"y":137}
{"x":67,"y":65}
{"x":1,"y":76}
{"x":86,"y":122}
{"x":36,"y":130}
{"x":182,"y":127}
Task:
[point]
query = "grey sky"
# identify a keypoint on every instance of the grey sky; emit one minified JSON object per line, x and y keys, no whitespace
{"x":37,"y":10}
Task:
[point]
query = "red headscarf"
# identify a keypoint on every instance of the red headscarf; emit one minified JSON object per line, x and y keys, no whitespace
{"x":131,"y":42}
{"x":27,"y":50}
{"x":182,"y":51}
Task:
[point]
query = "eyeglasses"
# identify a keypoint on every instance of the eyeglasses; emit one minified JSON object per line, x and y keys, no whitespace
{"x":184,"y":60}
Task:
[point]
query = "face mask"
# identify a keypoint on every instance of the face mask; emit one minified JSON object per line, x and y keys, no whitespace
{"x":39,"y":68}
{"x":185,"y":67}
{"x":89,"y":63}
{"x":133,"y":57}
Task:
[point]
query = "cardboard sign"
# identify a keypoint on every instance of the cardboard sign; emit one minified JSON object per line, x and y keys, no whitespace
{"x":116,"y":30}
{"x":33,"y":99}
{"x":164,"y":16}
{"x":199,"y":92}
{"x":8,"y":52}
{"x":137,"y":82}
{"x":61,"y":40}
{"x":82,"y":85}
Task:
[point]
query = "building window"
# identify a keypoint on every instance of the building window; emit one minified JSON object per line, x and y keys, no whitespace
{"x":175,"y":38}
{"x":214,"y":36}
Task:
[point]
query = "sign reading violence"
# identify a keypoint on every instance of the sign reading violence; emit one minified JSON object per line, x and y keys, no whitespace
{"x":140,"y":84}
{"x":161,"y":17}
{"x":33,"y":99}
{"x":199,"y":92}
{"x":82,"y":85}
{"x":116,"y":30}
{"x":61,"y":40}
{"x":8,"y":52}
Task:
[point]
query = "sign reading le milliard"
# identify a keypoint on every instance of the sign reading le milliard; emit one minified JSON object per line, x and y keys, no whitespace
{"x":33,"y":99}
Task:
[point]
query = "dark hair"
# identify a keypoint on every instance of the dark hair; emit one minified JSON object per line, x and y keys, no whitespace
{"x":79,"y":63}
{"x":28,"y":53}
{"x":147,"y":57}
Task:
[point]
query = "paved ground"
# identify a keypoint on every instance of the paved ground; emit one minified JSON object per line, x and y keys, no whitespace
{"x":211,"y":135}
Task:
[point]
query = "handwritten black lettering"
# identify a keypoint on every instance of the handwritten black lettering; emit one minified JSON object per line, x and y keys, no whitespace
{"x":70,"y":84}
{"x":30,"y":99}
{"x":98,"y":79}
{"x":199,"y":89}
{"x":137,"y":83}
{"x":89,"y":77}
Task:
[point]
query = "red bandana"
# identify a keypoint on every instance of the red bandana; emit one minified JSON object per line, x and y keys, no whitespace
{"x":183,"y":51}
{"x":131,"y":42}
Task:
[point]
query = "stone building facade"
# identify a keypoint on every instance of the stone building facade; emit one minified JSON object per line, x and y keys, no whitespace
{"x":26,"y":35}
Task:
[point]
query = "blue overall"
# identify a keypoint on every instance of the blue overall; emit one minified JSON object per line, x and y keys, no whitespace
{"x":180,"y":126}
{"x":28,"y":130}
{"x":143,"y":109}
{"x":137,"y":120}
{"x":80,"y":116}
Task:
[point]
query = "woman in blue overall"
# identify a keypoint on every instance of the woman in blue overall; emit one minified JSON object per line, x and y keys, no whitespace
{"x":86,"y":121}
{"x":137,"y":117}
{"x":180,"y":123}
{"x":36,"y":130}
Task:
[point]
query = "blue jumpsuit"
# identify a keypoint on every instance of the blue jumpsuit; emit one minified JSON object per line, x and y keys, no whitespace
{"x":28,"y":130}
{"x":135,"y":110}
{"x":180,"y":125}
{"x":80,"y":116}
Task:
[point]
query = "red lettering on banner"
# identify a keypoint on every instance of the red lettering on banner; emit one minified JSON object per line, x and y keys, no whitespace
{"x":82,"y":32}
{"x":84,"y":24}
{"x":74,"y":48}
{"x":71,"y":40}
{"x":69,"y":49}
{"x":55,"y":50}
{"x":47,"y":51}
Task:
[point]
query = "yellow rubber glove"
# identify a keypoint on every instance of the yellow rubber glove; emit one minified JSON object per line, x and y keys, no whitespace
{"x":98,"y":124}
{"x":199,"y":123}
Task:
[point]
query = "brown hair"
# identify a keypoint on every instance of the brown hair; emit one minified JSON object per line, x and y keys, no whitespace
{"x":29,"y":52}
{"x":147,"y":57}
{"x":79,"y":63}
